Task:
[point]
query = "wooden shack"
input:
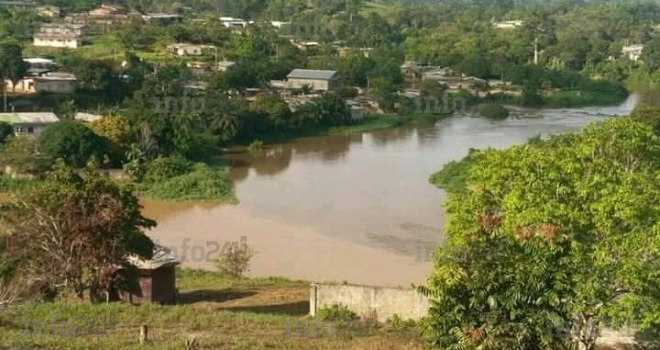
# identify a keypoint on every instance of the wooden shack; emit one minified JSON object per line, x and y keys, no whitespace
{"x":155,"y":281}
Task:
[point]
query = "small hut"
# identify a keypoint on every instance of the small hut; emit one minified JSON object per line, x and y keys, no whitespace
{"x":155,"y":281}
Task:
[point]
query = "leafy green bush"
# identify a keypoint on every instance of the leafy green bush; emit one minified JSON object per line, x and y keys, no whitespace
{"x":494,"y":111}
{"x":164,"y":168}
{"x":399,"y":323}
{"x":73,"y":142}
{"x":335,"y":313}
{"x":236,"y":260}
{"x":453,"y":175}
{"x":6,"y":131}
{"x":256,"y":145}
{"x":201,"y":183}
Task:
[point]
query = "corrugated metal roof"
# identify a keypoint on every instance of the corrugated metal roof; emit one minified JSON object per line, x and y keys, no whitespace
{"x":29,"y":118}
{"x":39,"y":60}
{"x":162,"y":256}
{"x":311,"y":74}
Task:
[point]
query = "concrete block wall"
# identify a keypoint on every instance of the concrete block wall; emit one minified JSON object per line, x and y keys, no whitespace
{"x":381,"y":302}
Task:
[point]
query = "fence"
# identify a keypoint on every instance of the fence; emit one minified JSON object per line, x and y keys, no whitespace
{"x":381,"y":302}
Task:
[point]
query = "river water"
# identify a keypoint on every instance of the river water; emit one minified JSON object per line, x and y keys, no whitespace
{"x":350,"y":207}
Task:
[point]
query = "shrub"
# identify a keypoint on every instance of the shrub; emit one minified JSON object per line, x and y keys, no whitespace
{"x":73,"y":142}
{"x":201,"y":183}
{"x":163,"y":168}
{"x":6,"y":131}
{"x":236,"y":260}
{"x":256,"y":145}
{"x":336,"y":312}
{"x":399,"y":323}
{"x":494,"y":111}
{"x":20,"y":153}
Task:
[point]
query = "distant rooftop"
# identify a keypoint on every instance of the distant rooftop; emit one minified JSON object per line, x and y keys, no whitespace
{"x":225,"y":64}
{"x":88,"y":117}
{"x":58,"y":76}
{"x":38,"y":60}
{"x":62,"y":25}
{"x":161,"y":16}
{"x":311,"y":74}
{"x":29,"y":118}
{"x":162,"y":256}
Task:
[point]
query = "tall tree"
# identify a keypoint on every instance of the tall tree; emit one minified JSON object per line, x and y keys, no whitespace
{"x":12,"y":66}
{"x":75,"y":231}
{"x":546,"y":232}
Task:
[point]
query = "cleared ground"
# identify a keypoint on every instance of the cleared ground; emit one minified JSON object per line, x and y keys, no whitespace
{"x":219,"y":313}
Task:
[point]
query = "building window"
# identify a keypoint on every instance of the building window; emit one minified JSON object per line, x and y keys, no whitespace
{"x":30,"y":130}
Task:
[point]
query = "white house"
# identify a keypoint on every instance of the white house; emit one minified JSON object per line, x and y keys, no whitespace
{"x":507,"y":24}
{"x":223,"y":66}
{"x":279,"y":24}
{"x":183,"y":49}
{"x":65,"y":35}
{"x":37,"y":67}
{"x":87,"y":117}
{"x":231,"y":22}
{"x":57,"y":83}
{"x":633,"y":52}
{"x":162,"y":18}
{"x":29,"y":123}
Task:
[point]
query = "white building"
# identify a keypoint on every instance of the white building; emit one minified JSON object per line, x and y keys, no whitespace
{"x":507,"y":24}
{"x":37,"y":67}
{"x":633,"y":52}
{"x":87,"y":117}
{"x":29,"y":123}
{"x":57,"y":83}
{"x":321,"y":80}
{"x":183,"y":49}
{"x":223,"y":66}
{"x":231,"y":22}
{"x":279,"y":24}
{"x":64,"y":35}
{"x":162,"y":18}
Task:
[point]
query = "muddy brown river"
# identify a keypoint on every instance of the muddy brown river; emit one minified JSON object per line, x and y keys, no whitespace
{"x":349,"y":207}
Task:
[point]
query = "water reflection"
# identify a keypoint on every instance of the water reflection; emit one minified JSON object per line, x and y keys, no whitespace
{"x":274,"y":159}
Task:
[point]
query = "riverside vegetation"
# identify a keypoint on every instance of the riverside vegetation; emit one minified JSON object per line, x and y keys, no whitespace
{"x":122,"y":72}
{"x":580,"y":211}
{"x":583,"y":218}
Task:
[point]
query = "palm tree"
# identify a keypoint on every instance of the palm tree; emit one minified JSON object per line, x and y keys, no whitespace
{"x":226,"y":123}
{"x":540,"y":25}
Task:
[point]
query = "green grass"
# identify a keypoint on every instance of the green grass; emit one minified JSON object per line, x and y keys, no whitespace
{"x":387,"y":11}
{"x":566,"y":99}
{"x":369,"y":123}
{"x":220,"y":313}
{"x":193,"y":279}
{"x":10,"y":185}
{"x":453,"y":175}
{"x":104,"y":47}
{"x":201,"y":183}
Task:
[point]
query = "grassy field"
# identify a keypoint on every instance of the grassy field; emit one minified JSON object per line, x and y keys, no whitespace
{"x":387,"y":11}
{"x":219,"y":313}
{"x":105,"y":47}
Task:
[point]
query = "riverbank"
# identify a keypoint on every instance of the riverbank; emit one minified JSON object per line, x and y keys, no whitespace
{"x":219,"y":313}
{"x":371,"y":122}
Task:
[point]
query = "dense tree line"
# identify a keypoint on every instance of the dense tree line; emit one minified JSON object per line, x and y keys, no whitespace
{"x":574,"y":220}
